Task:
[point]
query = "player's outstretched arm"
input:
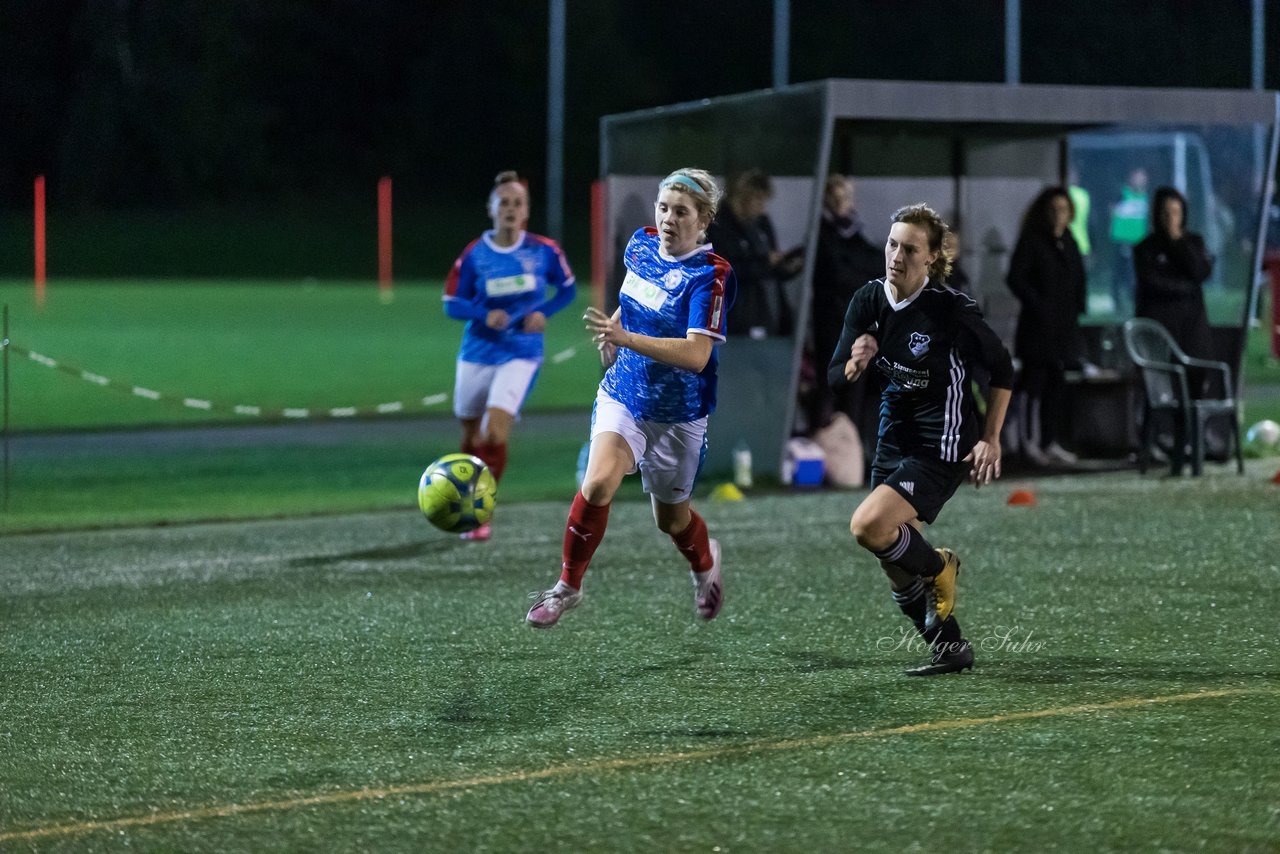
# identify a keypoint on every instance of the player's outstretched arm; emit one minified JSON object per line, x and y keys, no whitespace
{"x":691,"y":352}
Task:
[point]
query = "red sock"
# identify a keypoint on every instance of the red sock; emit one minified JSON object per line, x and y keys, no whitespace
{"x":492,"y":455}
{"x":693,"y":543}
{"x":496,"y":458}
{"x":582,"y":533}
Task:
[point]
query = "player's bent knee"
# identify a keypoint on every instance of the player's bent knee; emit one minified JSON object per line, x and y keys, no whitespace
{"x":871,"y":533}
{"x":599,"y":491}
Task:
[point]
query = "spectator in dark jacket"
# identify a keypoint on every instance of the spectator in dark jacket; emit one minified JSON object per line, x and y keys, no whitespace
{"x":1171,"y":264}
{"x":1046,"y":274}
{"x":743,"y":235}
{"x":845,"y":261}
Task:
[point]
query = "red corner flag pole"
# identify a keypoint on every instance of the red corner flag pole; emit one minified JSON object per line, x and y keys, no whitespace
{"x":39,"y":217}
{"x":598,"y":272}
{"x":384,"y":238}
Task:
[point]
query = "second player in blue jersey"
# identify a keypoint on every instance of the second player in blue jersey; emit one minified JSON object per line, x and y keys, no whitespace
{"x":505,"y":285}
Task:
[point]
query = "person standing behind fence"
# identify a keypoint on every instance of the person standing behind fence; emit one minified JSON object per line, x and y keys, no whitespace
{"x":1046,"y":274}
{"x":1171,"y":265}
{"x":1128,"y":225}
{"x":1080,"y":222}
{"x":743,"y":235}
{"x":926,"y":341}
{"x":505,"y":285}
{"x":845,"y":261}
{"x":651,"y":409}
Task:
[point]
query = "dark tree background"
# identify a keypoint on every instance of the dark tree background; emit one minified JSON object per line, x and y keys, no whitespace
{"x":179,"y":105}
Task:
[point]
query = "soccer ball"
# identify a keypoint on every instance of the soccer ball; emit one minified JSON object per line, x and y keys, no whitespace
{"x":1265,"y":434}
{"x":457,"y":493}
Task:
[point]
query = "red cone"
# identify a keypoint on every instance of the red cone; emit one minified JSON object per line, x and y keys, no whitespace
{"x":1022,"y":498}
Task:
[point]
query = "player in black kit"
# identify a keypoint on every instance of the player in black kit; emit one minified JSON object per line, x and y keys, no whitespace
{"x":924,"y":341}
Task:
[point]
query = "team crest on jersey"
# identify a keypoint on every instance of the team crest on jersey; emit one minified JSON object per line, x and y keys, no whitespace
{"x":530,"y":265}
{"x":919,"y":344}
{"x":672,"y":279}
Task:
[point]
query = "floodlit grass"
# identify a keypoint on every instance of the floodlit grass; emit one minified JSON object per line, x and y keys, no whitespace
{"x":213,"y":477}
{"x":299,"y":344}
{"x":363,"y":682}
{"x":269,"y":344}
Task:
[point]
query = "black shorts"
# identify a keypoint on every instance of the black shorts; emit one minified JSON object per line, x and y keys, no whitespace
{"x":926,"y":483}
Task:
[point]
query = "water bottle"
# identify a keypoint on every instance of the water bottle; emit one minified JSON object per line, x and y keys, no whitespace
{"x":742,"y":465}
{"x":1107,"y":359}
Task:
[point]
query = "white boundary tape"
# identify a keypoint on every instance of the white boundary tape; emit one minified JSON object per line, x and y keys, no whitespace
{"x":429,"y":401}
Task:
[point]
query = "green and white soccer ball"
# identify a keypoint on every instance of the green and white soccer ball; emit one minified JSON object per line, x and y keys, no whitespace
{"x":1265,"y":435}
{"x":457,"y":493}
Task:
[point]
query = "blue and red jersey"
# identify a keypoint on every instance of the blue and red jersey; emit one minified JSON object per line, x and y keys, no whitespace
{"x":667,"y":297}
{"x":531,"y":275}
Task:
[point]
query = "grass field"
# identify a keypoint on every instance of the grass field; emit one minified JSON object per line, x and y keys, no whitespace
{"x":189,"y":475}
{"x":222,"y":342}
{"x":273,"y":345}
{"x":229,"y":642}
{"x":362,"y":682}
{"x":288,"y":345}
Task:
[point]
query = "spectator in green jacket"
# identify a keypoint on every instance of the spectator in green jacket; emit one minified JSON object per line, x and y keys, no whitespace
{"x":1128,"y":226}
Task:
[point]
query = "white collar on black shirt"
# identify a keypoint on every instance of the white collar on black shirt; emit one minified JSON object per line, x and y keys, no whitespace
{"x":899,"y":306}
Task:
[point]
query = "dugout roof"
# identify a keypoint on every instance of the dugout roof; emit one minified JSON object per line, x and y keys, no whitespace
{"x":977,"y":151}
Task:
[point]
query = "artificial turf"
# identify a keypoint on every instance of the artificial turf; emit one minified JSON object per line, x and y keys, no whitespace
{"x":364,"y":682}
{"x":271,"y":345}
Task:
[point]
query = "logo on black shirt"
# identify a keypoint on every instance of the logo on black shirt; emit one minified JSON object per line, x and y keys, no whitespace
{"x":919,"y":344}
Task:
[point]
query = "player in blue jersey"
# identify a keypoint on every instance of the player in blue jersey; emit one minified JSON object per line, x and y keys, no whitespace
{"x":925,"y":341}
{"x":505,"y":285}
{"x":651,"y":409}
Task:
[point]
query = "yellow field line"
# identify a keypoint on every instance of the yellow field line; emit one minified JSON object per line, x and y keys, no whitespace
{"x":604,"y":765}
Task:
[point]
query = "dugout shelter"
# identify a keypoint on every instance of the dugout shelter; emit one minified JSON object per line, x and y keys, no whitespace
{"x":978,"y":153}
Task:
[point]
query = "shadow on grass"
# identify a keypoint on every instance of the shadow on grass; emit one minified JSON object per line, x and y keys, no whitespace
{"x":670,"y":665}
{"x":1061,"y":670}
{"x":405,"y":551}
{"x":462,"y":708}
{"x":681,"y":733}
{"x":810,"y":662}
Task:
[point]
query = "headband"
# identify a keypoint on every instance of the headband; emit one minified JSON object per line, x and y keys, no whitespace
{"x":686,"y":182}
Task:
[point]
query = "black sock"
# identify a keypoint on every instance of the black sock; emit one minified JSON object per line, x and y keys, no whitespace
{"x":912,"y":553}
{"x":911,"y":600}
{"x":946,"y":638}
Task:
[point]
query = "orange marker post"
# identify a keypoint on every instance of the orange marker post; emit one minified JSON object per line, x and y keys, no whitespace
{"x":40,"y":240}
{"x":598,"y":272}
{"x":384,"y":238}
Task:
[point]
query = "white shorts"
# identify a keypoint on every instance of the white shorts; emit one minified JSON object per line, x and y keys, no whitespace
{"x":669,"y":456}
{"x":482,"y":387}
